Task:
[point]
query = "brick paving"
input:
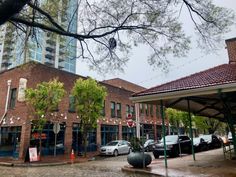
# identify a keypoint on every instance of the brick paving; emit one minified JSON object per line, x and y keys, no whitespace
{"x":207,"y":164}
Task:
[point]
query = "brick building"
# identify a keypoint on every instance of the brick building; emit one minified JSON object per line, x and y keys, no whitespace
{"x":17,"y":133}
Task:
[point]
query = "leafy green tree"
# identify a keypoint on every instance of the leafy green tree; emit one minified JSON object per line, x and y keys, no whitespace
{"x":202,"y":124}
{"x":43,"y":100}
{"x":174,"y":119}
{"x":89,"y":101}
{"x":104,"y":23}
{"x":209,"y":125}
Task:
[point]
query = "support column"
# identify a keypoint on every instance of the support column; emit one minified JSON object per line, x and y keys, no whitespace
{"x":68,"y":137}
{"x":232,"y":129}
{"x":163,"y":131}
{"x":24,"y":140}
{"x":137,"y":120}
{"x":190,"y":129}
{"x":120,"y":131}
{"x":99,"y":139}
{"x":155,"y":131}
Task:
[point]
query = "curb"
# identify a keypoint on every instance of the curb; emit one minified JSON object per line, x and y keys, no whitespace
{"x":139,"y":171}
{"x":8,"y":164}
{"x":39,"y":164}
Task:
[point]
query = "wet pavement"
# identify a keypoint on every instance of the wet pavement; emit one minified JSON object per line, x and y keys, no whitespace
{"x":98,"y":167}
{"x":209,"y":163}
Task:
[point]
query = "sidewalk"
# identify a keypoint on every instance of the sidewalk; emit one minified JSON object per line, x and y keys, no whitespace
{"x":208,"y":163}
{"x":47,"y":160}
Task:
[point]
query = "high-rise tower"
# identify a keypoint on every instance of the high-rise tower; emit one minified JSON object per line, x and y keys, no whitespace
{"x":45,"y":47}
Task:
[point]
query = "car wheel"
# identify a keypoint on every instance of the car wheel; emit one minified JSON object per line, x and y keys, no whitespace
{"x":156,"y":155}
{"x":115,"y":153}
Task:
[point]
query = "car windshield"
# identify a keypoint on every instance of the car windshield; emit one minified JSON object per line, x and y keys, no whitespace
{"x":113,"y":143}
{"x":148,"y":142}
{"x":171,"y":138}
{"x":206,"y":137}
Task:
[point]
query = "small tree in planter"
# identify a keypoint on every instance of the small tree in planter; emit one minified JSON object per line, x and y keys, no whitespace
{"x":137,"y":158}
{"x":89,"y":101}
{"x":43,"y":100}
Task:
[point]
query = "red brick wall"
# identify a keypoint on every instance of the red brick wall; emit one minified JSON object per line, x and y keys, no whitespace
{"x":36,"y":73}
{"x":124,"y":84}
{"x":231,"y":48}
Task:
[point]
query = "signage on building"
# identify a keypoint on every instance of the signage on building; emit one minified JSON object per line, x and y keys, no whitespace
{"x":22,"y":87}
{"x":33,"y":156}
{"x":36,"y":135}
{"x":56,"y":128}
{"x":129,"y":120}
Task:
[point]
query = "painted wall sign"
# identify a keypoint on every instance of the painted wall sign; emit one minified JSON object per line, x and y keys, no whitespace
{"x":22,"y":87}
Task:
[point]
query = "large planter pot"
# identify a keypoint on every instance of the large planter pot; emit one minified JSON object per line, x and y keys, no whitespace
{"x":136,"y":159}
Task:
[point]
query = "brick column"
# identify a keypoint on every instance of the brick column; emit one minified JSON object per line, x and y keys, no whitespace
{"x":155,"y":132}
{"x":68,"y":138}
{"x":99,"y":139}
{"x":24,"y":140}
{"x":120,"y":131}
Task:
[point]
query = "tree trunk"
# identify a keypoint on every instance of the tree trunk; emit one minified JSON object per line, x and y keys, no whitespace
{"x":40,"y":144}
{"x":84,"y":134}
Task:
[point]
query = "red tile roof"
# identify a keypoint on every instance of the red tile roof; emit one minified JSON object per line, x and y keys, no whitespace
{"x":222,"y":74}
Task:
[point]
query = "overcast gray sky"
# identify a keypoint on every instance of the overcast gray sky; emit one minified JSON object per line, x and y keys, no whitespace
{"x":138,"y":71}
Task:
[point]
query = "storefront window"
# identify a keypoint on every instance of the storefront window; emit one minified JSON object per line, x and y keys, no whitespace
{"x":48,"y":139}
{"x":128,"y":133}
{"x":9,"y":139}
{"x":77,"y":140}
{"x":109,"y":133}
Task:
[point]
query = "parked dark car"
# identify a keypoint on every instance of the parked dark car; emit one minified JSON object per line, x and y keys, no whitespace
{"x":149,"y":144}
{"x":212,"y":141}
{"x":175,"y":145}
{"x":199,"y":144}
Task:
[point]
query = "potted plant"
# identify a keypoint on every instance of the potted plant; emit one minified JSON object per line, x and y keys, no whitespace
{"x":137,"y":158}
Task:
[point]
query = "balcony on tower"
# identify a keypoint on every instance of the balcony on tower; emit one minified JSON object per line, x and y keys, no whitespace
{"x":50,"y":48}
{"x":49,"y":56}
{"x":49,"y":62}
{"x":51,"y":42}
{"x":6,"y":63}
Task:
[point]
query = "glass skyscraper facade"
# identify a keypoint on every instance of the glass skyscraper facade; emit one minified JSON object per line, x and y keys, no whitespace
{"x":46,"y":47}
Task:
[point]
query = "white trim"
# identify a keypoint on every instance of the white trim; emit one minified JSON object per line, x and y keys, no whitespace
{"x":185,"y":93}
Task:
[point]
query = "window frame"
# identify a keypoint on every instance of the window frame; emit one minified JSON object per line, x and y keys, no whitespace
{"x":13,"y":97}
{"x":118,"y":110}
{"x":113,"y":110}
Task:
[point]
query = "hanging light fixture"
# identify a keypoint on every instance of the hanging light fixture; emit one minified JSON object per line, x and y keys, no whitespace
{"x":11,"y":120}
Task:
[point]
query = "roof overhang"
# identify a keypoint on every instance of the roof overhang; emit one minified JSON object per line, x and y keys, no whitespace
{"x":204,"y":101}
{"x":231,"y":87}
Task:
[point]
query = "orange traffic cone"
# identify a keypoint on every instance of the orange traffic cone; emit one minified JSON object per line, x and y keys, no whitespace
{"x":72,"y":156}
{"x":38,"y":157}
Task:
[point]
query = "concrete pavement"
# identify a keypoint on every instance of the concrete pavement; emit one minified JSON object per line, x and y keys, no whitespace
{"x":208,"y":163}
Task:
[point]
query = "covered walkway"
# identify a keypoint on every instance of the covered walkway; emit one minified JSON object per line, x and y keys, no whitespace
{"x":208,"y":163}
{"x":210,"y":93}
